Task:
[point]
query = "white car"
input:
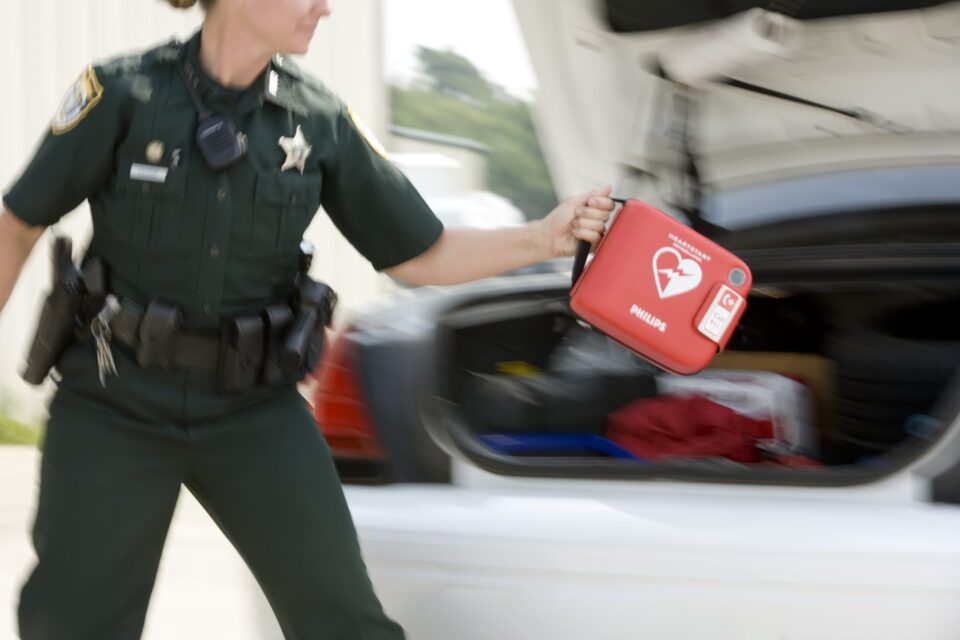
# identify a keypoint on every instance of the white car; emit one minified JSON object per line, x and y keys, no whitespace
{"x":822,"y":148}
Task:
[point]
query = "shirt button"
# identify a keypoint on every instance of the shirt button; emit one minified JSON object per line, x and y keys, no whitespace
{"x":207,"y":309}
{"x":221,"y":195}
{"x":293,"y":199}
{"x":215,"y":251}
{"x":146,"y":188}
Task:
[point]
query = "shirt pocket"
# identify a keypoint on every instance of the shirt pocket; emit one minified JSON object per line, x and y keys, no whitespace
{"x":284,"y":205}
{"x":151,"y":211}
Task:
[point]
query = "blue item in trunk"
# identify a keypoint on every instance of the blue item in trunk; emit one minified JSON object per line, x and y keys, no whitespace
{"x":516,"y":444}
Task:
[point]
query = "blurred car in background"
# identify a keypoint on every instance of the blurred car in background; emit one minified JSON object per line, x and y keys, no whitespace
{"x":545,"y":482}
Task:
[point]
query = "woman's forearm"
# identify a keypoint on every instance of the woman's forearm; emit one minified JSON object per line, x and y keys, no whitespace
{"x":463,"y":254}
{"x":16,"y":242}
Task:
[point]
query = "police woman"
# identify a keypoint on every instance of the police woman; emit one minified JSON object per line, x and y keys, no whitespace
{"x":203,"y":164}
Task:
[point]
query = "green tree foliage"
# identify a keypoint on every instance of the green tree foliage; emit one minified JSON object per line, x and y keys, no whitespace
{"x":15,"y":433}
{"x":450,"y":73}
{"x":456,"y":99}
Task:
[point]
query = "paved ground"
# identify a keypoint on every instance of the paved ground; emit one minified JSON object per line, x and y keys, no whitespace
{"x":203,"y":590}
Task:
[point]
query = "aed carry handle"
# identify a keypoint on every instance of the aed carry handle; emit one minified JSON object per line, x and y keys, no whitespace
{"x":583,"y":251}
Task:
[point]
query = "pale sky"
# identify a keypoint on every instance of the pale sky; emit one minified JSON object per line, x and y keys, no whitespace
{"x":484,"y":32}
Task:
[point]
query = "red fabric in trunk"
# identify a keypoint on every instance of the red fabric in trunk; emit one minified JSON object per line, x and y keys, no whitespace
{"x":686,"y":427}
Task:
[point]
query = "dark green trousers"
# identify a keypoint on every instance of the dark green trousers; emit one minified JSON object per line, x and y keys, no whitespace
{"x":108,"y":486}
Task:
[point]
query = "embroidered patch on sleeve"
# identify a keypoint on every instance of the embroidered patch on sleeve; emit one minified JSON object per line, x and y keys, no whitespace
{"x":367,"y":134}
{"x":80,"y":100}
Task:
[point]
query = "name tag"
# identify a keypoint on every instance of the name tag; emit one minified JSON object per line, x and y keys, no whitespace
{"x":148,"y":173}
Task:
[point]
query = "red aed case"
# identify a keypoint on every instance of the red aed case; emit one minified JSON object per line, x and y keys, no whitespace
{"x":662,"y":290}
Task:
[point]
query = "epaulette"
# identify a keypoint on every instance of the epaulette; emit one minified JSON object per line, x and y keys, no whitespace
{"x":304,"y":78}
{"x":169,"y":52}
{"x":286,"y":65}
{"x":166,"y":53}
{"x":122,"y":65}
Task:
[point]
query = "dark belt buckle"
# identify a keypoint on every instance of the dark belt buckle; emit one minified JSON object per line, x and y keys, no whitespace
{"x":157,"y":334}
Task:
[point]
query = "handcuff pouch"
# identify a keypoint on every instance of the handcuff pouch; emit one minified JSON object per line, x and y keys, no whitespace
{"x":157,"y":334}
{"x":277,"y":318}
{"x":241,"y":353}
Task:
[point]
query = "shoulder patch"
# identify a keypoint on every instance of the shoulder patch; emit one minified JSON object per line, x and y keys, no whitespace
{"x":80,"y":100}
{"x":367,"y":134}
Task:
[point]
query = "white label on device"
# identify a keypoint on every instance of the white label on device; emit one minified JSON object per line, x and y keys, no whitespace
{"x":721,"y":313}
{"x":148,"y":173}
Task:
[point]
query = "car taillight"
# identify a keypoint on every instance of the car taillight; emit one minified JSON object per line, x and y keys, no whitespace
{"x":339,"y":406}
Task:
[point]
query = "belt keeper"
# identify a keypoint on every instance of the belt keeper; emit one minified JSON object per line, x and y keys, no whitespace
{"x":157,"y":334}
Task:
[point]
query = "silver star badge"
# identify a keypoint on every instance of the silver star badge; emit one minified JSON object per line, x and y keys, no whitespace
{"x":297,"y":151}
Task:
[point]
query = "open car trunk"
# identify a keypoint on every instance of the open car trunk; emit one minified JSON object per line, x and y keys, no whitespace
{"x":843,"y":365}
{"x":826,"y":160}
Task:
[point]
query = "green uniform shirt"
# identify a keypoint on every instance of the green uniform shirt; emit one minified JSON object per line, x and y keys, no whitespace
{"x":214,"y":243}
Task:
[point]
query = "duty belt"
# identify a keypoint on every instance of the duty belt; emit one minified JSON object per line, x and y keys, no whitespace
{"x":277,"y":345}
{"x":184,"y":349}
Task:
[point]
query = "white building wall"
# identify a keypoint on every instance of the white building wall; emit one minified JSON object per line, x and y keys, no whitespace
{"x":45,"y":44}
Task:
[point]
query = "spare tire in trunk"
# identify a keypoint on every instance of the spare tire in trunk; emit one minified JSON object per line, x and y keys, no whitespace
{"x":883,"y":382}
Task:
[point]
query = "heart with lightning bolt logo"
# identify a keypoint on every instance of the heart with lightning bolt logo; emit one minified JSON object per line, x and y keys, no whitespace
{"x":675,"y":274}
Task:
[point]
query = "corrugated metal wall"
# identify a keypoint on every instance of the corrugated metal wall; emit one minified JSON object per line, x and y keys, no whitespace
{"x":45,"y":44}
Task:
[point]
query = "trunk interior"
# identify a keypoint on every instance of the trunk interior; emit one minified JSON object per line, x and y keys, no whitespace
{"x":831,"y":377}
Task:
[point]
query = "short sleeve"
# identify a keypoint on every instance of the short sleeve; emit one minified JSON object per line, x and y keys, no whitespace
{"x":372,"y":203}
{"x":74,"y":158}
